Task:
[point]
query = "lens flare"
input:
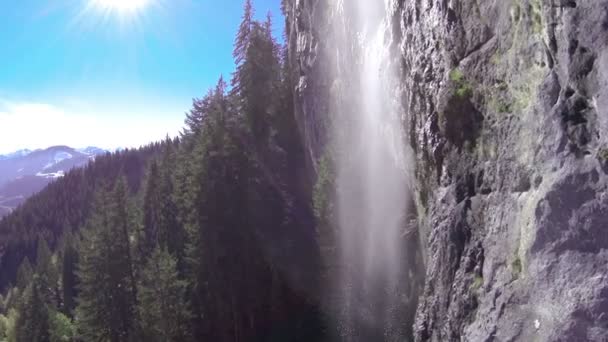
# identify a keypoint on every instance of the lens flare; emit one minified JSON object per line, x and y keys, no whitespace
{"x":120,"y":6}
{"x":124,"y":15}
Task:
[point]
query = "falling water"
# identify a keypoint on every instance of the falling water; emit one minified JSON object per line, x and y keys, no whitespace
{"x":371,"y":176}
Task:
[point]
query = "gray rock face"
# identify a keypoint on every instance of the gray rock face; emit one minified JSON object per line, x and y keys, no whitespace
{"x":310,"y":67}
{"x":507,"y":109}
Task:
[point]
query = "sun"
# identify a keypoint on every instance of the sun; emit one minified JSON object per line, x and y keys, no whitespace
{"x":120,"y":6}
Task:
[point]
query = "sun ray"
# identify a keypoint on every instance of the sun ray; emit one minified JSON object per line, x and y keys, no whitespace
{"x":124,"y":16}
{"x":121,"y":6}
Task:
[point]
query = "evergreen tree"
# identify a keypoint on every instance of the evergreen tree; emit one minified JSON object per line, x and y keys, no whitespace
{"x":12,"y":299}
{"x":161,"y":225}
{"x":152,"y":209}
{"x":3,"y":327}
{"x":162,"y":306}
{"x":119,"y":223}
{"x":241,"y":43}
{"x":196,"y":116}
{"x":8,"y":325}
{"x":24,"y":274}
{"x":33,"y":319}
{"x":183,"y":192}
{"x":44,"y":262}
{"x":273,"y":56}
{"x":61,"y":328}
{"x":172,"y":233}
{"x":221,"y":221}
{"x":69,"y":279}
{"x":106,"y":302}
{"x":66,"y":203}
{"x":256,"y":79}
{"x":48,"y":276}
{"x":227,"y":286}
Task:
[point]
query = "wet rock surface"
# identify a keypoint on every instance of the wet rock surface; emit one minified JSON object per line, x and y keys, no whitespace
{"x":506,"y":105}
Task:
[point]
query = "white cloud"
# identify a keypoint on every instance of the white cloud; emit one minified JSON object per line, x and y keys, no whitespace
{"x":40,"y":125}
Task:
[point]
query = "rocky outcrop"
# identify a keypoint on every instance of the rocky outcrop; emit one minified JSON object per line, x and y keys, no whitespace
{"x":505,"y":102}
{"x":309,"y":57}
{"x":506,"y":106}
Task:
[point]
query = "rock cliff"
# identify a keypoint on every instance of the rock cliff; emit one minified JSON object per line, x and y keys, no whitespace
{"x":505,"y":103}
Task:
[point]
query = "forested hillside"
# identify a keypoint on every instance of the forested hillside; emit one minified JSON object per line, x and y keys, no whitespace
{"x":207,"y":237}
{"x":389,"y":171}
{"x":26,"y":172}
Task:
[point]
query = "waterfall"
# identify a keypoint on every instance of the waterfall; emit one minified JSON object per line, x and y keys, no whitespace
{"x":372,"y":164}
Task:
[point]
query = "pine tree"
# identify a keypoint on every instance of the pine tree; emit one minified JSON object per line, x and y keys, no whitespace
{"x":24,"y":274}
{"x":161,"y":224}
{"x":183,"y":192}
{"x":8,"y":325}
{"x":152,"y":209}
{"x":196,"y":116}
{"x":120,"y":221}
{"x":256,"y":80}
{"x":220,"y":109}
{"x":12,"y":299}
{"x":48,"y":276}
{"x":61,"y":328}
{"x":219,"y":226}
{"x":106,"y":302}
{"x":32,"y":323}
{"x":240,"y":78}
{"x":162,"y":307}
{"x":69,"y":279}
{"x":241,"y":43}
{"x":172,"y":233}
{"x":44,"y":262}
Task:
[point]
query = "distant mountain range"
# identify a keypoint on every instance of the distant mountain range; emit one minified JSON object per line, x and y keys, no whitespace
{"x":16,"y":154}
{"x":26,"y":172}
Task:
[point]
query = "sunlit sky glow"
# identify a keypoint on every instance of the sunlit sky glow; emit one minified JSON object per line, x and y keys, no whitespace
{"x":122,"y":6}
{"x":110,"y":73}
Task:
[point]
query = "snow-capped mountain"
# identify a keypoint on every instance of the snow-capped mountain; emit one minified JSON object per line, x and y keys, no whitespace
{"x":16,"y":154}
{"x":92,"y":150}
{"x":25,"y":172}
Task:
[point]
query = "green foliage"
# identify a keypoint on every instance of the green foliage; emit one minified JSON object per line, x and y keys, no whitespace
{"x":463,"y":88}
{"x":162,"y":307}
{"x":204,"y":238}
{"x":160,"y":222}
{"x":515,"y":12}
{"x":69,"y":279}
{"x":32,"y":322}
{"x":501,"y":105}
{"x":47,"y":274}
{"x":464,"y":91}
{"x":536,"y":14}
{"x":12,"y":299}
{"x":61,"y":328}
{"x":602,"y":154}
{"x":477,"y":283}
{"x":8,"y":325}
{"x":106,"y":302}
{"x":504,"y":107}
{"x":495,"y":59}
{"x":24,"y":274}
{"x":65,"y":205}
{"x":323,"y":191}
{"x":152,"y":211}
{"x":456,"y":75}
{"x":39,"y":296}
{"x":4,"y":326}
{"x":241,"y":43}
{"x":257,"y":79}
{"x":516,"y":267}
{"x":44,"y":262}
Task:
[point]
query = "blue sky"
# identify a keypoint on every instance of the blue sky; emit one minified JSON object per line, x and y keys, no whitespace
{"x":83,"y":72}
